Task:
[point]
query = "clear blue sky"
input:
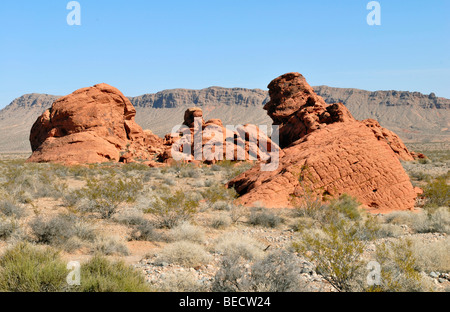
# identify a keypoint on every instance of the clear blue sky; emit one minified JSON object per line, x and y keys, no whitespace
{"x":146,"y":46}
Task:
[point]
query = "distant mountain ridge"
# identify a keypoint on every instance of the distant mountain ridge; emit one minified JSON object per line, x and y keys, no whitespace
{"x":414,"y":116}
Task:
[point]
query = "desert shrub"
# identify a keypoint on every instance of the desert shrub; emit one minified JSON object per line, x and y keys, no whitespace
{"x":104,"y":196}
{"x":399,"y":268}
{"x":190,"y":172}
{"x":389,"y":230}
{"x":26,"y":268}
{"x":181,"y":282}
{"x":279,"y":271}
{"x":7,"y":227}
{"x":337,"y":253}
{"x":129,"y":217}
{"x":232,"y":275}
{"x":26,"y":182}
{"x":65,"y":231}
{"x":311,"y":206}
{"x":11,"y":209}
{"x":142,"y":229}
{"x":101,"y":275}
{"x":54,"y":231}
{"x":348,"y":206}
{"x":187,"y":232}
{"x":437,"y":193}
{"x":237,"y":212}
{"x":217,"y":193}
{"x":264,"y":217}
{"x":183,"y":253}
{"x":241,"y":245}
{"x":110,"y":246}
{"x":432,"y":256}
{"x":145,"y":231}
{"x":170,"y":209}
{"x":220,"y":221}
{"x":169,"y":181}
{"x":222,"y":205}
{"x":436,"y":220}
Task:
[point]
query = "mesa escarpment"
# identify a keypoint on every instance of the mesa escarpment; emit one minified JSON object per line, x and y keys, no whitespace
{"x":327,"y":153}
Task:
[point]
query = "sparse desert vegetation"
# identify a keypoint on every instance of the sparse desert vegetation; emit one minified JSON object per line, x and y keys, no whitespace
{"x":132,"y":230}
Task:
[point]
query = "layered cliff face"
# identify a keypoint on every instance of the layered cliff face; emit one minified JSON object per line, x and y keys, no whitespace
{"x":327,"y":153}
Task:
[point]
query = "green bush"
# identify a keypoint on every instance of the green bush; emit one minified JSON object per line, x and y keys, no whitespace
{"x":264,"y":217}
{"x":170,"y":209}
{"x":337,"y":253}
{"x":399,"y":268}
{"x":26,"y":268}
{"x":217,"y":193}
{"x":437,"y":193}
{"x":64,"y":231}
{"x":104,"y":196}
{"x":101,"y":275}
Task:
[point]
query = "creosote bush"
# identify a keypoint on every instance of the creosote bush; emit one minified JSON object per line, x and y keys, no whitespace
{"x":104,"y":196}
{"x":264,"y":217}
{"x":399,"y":268}
{"x":337,"y":253}
{"x":65,"y":231}
{"x":169,"y":209}
{"x":437,"y":193}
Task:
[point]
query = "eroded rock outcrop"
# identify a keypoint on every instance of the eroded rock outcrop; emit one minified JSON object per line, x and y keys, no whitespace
{"x":210,"y":141}
{"x":327,"y":153}
{"x":91,"y":125}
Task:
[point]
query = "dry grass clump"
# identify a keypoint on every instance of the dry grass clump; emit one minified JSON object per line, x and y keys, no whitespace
{"x":181,"y":282}
{"x":184,"y":253}
{"x":427,"y":221}
{"x":240,"y":245}
{"x":66,"y":231}
{"x":187,"y":232}
{"x":110,"y":246}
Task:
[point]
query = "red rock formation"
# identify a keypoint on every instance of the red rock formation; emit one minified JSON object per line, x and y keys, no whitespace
{"x":328,"y":153}
{"x":91,"y":125}
{"x":217,"y":142}
{"x":298,"y":110}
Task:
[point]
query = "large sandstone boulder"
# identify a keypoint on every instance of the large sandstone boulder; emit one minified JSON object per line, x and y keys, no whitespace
{"x":91,"y":125}
{"x":327,"y":153}
{"x":298,"y":111}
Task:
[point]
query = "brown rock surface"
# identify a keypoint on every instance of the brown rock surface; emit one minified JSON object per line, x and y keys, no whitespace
{"x":91,"y":125}
{"x":328,"y":153}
